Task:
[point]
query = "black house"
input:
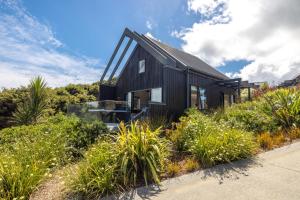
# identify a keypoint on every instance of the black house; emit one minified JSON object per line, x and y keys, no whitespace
{"x":164,"y":80}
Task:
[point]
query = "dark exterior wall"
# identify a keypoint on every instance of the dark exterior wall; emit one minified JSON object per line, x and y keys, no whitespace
{"x":175,"y":92}
{"x":213,"y":91}
{"x":131,"y":80}
{"x":107,"y":92}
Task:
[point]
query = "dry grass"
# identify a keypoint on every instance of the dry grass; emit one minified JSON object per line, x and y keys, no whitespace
{"x":173,"y":169}
{"x":191,"y":165}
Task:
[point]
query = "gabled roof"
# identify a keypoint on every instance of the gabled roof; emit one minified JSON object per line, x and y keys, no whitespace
{"x":167,"y":55}
{"x":188,"y":60}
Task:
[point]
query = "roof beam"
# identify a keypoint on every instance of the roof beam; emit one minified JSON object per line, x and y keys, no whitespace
{"x":120,"y":60}
{"x":112,"y":57}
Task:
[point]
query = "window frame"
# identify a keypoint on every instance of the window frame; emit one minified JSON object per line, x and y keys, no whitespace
{"x":161,"y":95}
{"x":139,"y":66}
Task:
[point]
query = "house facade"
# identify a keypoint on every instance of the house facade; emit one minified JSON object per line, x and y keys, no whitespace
{"x":165,"y":80}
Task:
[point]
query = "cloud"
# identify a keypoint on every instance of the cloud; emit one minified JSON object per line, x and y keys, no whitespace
{"x":149,"y":25}
{"x":148,"y":34}
{"x":264,"y":32}
{"x":29,"y":48}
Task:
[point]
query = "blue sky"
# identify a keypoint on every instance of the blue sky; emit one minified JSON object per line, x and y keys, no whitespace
{"x":71,"y":41}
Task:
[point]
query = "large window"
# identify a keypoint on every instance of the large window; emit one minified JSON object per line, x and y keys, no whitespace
{"x":156,"y":95}
{"x":128,"y":98}
{"x":194,"y":98}
{"x":142,"y":66}
{"x":202,"y":98}
{"x":198,"y":97}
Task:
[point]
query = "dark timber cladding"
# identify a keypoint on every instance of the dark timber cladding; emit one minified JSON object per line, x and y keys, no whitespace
{"x":171,"y":71}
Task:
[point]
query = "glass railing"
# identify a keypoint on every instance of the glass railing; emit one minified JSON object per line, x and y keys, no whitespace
{"x":108,"y":111}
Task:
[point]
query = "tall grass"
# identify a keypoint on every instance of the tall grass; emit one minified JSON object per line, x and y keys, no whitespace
{"x":97,"y":174}
{"x":284,"y":107}
{"x":136,"y":155}
{"x":29,"y":154}
{"x":211,"y":143}
{"x":142,"y":153}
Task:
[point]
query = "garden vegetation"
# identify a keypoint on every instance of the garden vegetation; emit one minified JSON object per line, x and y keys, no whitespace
{"x":41,"y":139}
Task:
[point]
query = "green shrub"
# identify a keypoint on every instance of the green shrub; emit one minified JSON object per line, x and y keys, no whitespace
{"x":283,"y":105}
{"x":248,"y":116}
{"x":184,"y":133}
{"x":210,"y":142}
{"x":97,"y":174}
{"x":142,"y":153}
{"x":223,"y":146}
{"x":28,"y":154}
{"x":135,"y":154}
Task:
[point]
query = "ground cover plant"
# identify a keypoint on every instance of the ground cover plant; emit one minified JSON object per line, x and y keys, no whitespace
{"x":30,"y":153}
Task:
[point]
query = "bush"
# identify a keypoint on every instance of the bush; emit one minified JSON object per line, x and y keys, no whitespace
{"x":211,"y":143}
{"x":268,"y":141}
{"x":191,"y":165}
{"x":283,"y":105}
{"x":28,"y":154}
{"x":142,"y":153}
{"x":97,"y":174}
{"x":248,"y":116}
{"x":173,"y":169}
{"x":134,"y":155}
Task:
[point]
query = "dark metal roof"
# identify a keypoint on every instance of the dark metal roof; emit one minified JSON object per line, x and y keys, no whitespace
{"x":189,"y":60}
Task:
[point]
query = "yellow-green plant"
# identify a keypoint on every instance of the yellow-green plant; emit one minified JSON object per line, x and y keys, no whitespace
{"x":284,"y":107}
{"x":96,"y":175}
{"x":173,"y":169}
{"x":142,"y":153}
{"x":211,"y":142}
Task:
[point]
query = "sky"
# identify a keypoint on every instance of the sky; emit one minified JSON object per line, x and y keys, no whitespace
{"x":71,"y":41}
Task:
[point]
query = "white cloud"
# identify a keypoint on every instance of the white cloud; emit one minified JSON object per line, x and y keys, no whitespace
{"x":148,"y":34}
{"x":265,"y":32}
{"x":149,"y":25}
{"x":29,"y":48}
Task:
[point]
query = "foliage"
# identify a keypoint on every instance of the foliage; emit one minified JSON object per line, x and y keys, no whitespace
{"x":191,"y":165}
{"x":57,"y":101}
{"x":248,"y":116}
{"x":271,"y":112}
{"x":294,"y":133}
{"x":173,"y":169}
{"x":284,"y":107}
{"x":210,"y":142}
{"x":32,"y":108}
{"x":268,"y":141}
{"x":28,"y":154}
{"x":159,"y":121}
{"x":142,"y":153}
{"x":9,"y":98}
{"x":135,"y":154}
{"x":96,"y":175}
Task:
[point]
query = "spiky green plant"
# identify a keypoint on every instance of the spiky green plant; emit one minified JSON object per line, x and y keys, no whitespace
{"x":142,"y":153}
{"x":284,"y":107}
{"x":31,"y":109}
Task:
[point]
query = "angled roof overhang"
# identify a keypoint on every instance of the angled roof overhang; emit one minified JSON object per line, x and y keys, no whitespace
{"x":143,"y":42}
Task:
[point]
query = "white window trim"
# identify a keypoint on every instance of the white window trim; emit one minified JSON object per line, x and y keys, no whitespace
{"x":154,"y":98}
{"x":144,"y":68}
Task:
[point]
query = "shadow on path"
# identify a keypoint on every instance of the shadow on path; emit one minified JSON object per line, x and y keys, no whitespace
{"x":220,"y":172}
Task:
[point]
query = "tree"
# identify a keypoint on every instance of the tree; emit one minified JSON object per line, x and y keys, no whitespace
{"x":32,"y":108}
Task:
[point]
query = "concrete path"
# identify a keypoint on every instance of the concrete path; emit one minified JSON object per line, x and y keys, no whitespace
{"x":272,"y":175}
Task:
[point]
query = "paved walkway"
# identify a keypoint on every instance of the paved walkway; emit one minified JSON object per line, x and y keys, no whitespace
{"x":273,"y":175}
